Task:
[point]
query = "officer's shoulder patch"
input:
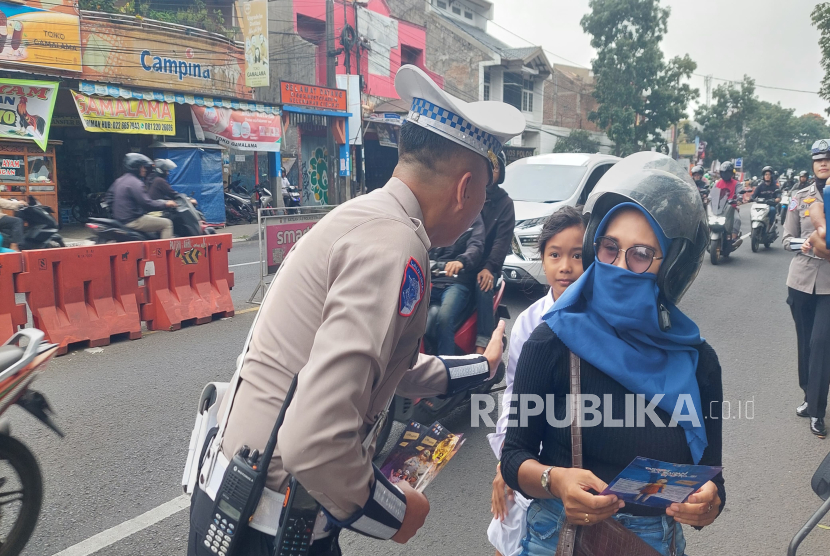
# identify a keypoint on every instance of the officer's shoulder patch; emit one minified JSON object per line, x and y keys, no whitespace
{"x":793,"y":205}
{"x":413,"y":286}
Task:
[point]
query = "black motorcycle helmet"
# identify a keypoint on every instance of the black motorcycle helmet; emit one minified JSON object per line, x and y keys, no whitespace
{"x":133,"y":162}
{"x":697,"y":170}
{"x":663,"y":188}
{"x":727,"y":170}
{"x":764,"y":171}
{"x":498,"y":180}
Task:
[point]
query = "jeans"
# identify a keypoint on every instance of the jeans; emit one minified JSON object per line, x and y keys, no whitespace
{"x":12,"y":228}
{"x":148,"y":223}
{"x":442,"y":325}
{"x":545,"y":518}
{"x":485,"y":316}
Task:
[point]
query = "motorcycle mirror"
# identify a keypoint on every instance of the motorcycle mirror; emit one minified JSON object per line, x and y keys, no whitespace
{"x":821,"y":479}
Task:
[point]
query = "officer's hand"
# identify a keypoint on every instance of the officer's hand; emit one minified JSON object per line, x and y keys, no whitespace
{"x":452,"y":268}
{"x":417,"y":508}
{"x":495,"y":349}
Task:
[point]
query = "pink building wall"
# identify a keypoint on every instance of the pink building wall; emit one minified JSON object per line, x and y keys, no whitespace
{"x":410,"y":37}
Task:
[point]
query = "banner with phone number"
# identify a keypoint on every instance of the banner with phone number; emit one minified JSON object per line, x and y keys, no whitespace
{"x":120,"y":115}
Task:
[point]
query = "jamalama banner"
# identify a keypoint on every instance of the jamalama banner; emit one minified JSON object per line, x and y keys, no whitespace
{"x":253,"y":17}
{"x":121,"y":115}
{"x":240,"y":129}
{"x":44,"y":33}
{"x":26,"y":109}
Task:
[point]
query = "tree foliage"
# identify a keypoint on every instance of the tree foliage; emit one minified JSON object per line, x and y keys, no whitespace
{"x":821,"y":20}
{"x":195,"y":14}
{"x":579,"y":141}
{"x":638,"y":91}
{"x":737,"y":124}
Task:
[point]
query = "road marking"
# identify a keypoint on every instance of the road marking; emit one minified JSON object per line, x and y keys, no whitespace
{"x":248,"y":310}
{"x":746,"y":235}
{"x":242,"y":264}
{"x":130,"y":527}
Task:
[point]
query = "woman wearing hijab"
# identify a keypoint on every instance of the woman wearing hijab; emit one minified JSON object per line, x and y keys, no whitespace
{"x":643,"y":248}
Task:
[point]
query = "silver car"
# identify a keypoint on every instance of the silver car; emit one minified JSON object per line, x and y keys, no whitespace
{"x":539,"y":185}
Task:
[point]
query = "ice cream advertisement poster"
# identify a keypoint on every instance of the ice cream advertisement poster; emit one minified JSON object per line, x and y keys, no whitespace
{"x":240,"y":129}
{"x":26,"y":109}
{"x":650,"y":482}
{"x":42,"y":33}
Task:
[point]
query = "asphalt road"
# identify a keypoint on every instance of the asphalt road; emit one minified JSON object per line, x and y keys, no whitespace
{"x":128,"y":411}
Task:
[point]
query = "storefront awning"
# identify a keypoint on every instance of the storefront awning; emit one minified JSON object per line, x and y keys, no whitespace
{"x":101,"y":89}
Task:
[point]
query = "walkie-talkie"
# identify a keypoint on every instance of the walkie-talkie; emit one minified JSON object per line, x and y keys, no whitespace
{"x":238,"y":495}
{"x":299,"y":512}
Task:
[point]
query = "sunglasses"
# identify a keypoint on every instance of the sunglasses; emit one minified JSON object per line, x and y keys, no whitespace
{"x":638,"y":258}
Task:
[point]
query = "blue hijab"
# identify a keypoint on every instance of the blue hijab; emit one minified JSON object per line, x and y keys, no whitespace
{"x":622,"y":320}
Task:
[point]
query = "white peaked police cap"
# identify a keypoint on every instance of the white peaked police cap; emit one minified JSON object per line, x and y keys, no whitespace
{"x":483,"y":127}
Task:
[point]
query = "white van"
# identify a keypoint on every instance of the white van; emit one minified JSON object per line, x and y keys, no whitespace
{"x":539,"y":185}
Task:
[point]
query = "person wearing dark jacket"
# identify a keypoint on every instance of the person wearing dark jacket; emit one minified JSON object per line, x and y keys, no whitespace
{"x":129,"y":201}
{"x":642,"y":250}
{"x":768,"y":190}
{"x":451,"y":292}
{"x":159,"y":187}
{"x":499,"y":221}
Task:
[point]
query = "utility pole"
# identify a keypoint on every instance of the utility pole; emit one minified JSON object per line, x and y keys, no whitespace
{"x":331,"y":82}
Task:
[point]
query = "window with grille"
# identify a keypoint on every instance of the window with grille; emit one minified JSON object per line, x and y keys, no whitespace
{"x":456,"y":10}
{"x":486,"y":84}
{"x":468,"y":15}
{"x":512,"y":90}
{"x":442,"y":5}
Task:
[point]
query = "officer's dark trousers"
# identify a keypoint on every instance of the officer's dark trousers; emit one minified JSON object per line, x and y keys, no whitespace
{"x":811,"y":314}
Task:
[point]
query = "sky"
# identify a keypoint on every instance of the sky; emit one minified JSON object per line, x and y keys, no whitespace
{"x":772,"y":41}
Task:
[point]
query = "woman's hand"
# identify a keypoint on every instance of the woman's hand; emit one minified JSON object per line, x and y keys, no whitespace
{"x":581,"y":507}
{"x":501,"y":494}
{"x":700,"y":510}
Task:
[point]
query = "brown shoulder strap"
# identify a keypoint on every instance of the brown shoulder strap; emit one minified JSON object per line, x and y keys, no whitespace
{"x":576,"y":426}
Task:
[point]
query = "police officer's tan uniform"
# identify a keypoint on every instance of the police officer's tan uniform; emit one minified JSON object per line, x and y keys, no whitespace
{"x":809,"y":299}
{"x":346,"y":314}
{"x":333,"y":315}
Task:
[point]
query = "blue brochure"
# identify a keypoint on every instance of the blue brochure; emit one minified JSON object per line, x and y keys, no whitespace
{"x":659,"y":484}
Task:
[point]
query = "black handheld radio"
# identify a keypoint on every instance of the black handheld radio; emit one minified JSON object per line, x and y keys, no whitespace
{"x":238,"y":495}
{"x":299,"y":512}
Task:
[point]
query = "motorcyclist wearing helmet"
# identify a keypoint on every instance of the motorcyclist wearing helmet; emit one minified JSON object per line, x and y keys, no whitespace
{"x":129,"y":201}
{"x":697,"y":175}
{"x":803,"y":178}
{"x":728,"y":186}
{"x":808,"y":283}
{"x":159,"y":186}
{"x":499,"y":222}
{"x":644,"y":246}
{"x":767,"y":190}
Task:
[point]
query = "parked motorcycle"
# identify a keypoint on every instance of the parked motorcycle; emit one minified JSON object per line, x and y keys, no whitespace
{"x":40,"y":227}
{"x":821,"y":486}
{"x":784,"y":205}
{"x":762,"y":231}
{"x":238,"y":207}
{"x":22,"y":358}
{"x":90,"y":205}
{"x":290,"y":198}
{"x":429,"y":410}
{"x":721,"y":211}
{"x":187,"y":222}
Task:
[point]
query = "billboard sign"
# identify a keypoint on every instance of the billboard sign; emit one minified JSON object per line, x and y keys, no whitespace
{"x":26,"y":109}
{"x":40,"y":33}
{"x":253,"y":17}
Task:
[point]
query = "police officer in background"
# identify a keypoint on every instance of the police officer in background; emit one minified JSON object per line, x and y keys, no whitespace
{"x":346,"y":314}
{"x":809,"y":296}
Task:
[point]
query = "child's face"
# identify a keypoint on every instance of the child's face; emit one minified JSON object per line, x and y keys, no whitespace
{"x":562,"y":261}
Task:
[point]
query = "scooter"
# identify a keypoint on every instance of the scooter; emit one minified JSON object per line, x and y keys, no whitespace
{"x":762,"y":231}
{"x":40,"y":227}
{"x":238,"y":205}
{"x":784,"y":205}
{"x":22,"y":358}
{"x":290,"y":198}
{"x":721,"y":212}
{"x":821,"y":486}
{"x":429,"y":410}
{"x":187,"y":222}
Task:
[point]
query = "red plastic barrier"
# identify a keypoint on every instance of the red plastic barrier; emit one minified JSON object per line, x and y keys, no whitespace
{"x":187,"y":279}
{"x":84,"y":294}
{"x":12,"y":315}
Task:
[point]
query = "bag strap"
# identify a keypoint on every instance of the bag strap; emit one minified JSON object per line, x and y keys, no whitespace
{"x":567,"y":541}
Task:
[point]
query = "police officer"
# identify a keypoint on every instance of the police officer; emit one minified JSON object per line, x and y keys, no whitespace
{"x":346,"y":314}
{"x":809,"y":296}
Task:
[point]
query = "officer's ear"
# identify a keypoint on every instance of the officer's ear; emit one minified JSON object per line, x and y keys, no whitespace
{"x":463,"y":190}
